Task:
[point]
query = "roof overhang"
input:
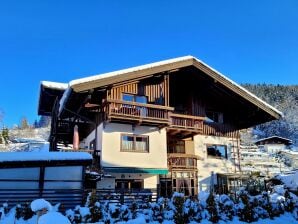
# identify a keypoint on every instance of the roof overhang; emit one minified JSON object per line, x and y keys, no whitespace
{"x":48,"y":93}
{"x":140,"y":72}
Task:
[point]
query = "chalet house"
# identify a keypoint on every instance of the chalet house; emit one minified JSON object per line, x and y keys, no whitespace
{"x":164,"y":125}
{"x":273,"y":144}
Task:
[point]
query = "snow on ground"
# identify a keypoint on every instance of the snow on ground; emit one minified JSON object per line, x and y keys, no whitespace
{"x":53,"y":218}
{"x":57,"y":218}
{"x":290,"y":180}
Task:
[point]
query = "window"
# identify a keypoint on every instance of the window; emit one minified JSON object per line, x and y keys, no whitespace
{"x":134,"y":143}
{"x":134,"y":98}
{"x":218,"y":151}
{"x":138,"y":110}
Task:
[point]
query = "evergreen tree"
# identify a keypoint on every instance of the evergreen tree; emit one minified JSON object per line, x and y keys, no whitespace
{"x":24,"y":123}
{"x":44,"y":121}
{"x":212,"y":208}
{"x":5,"y":135}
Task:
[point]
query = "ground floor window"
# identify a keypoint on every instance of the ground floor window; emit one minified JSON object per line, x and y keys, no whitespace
{"x":129,"y":184}
{"x":179,"y":181}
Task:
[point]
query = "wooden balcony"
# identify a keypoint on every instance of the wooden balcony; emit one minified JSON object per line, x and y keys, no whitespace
{"x":137,"y":112}
{"x":186,"y":121}
{"x":182,"y":161}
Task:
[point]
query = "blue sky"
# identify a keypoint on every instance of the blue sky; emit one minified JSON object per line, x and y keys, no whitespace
{"x":248,"y":41}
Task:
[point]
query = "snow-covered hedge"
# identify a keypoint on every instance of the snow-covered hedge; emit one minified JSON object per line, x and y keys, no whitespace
{"x":179,"y":209}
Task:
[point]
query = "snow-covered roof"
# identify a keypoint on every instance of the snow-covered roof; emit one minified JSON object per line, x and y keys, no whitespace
{"x":274,"y":136}
{"x":101,"y":80}
{"x":118,"y":73}
{"x":54,"y":85}
{"x":45,"y":156}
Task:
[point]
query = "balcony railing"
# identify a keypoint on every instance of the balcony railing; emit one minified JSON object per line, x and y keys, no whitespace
{"x":186,"y":121}
{"x":182,"y":161}
{"x":117,"y":109}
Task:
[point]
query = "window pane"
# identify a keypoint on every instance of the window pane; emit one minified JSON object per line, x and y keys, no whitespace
{"x":141,"y":143}
{"x":219,"y":151}
{"x":128,"y":97}
{"x":141,"y":99}
{"x":127,"y":143}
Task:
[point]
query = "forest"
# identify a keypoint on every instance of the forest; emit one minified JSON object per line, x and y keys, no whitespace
{"x":283,"y":98}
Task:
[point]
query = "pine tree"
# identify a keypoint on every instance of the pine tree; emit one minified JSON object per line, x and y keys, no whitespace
{"x":212,"y":208}
{"x":5,"y":135}
{"x":24,"y":123}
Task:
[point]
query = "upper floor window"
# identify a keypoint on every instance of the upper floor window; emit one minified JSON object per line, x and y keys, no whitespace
{"x":214,"y":116}
{"x":218,"y":151}
{"x":134,"y":98}
{"x":134,"y":143}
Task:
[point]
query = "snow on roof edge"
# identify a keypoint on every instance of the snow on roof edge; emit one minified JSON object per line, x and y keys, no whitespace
{"x":155,"y":64}
{"x":128,"y":70}
{"x":63,"y":99}
{"x":242,"y":88}
{"x":44,"y":156}
{"x":54,"y":85}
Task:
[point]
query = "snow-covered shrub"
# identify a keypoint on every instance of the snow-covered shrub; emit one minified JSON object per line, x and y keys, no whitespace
{"x":27,"y":213}
{"x":226,"y":207}
{"x":18,"y":213}
{"x":23,"y":211}
{"x":192,"y":210}
{"x":70,"y":214}
{"x":157,"y":209}
{"x":134,"y":209}
{"x":178,"y":202}
{"x":245,"y":210}
{"x":168,"y":210}
{"x":3,"y":210}
{"x":95,"y":212}
{"x":289,"y":203}
{"x":75,"y":215}
{"x":212,"y":207}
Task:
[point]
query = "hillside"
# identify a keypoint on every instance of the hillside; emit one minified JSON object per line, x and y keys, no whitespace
{"x":285,"y":99}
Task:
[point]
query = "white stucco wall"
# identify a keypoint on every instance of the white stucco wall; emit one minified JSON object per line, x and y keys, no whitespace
{"x":113,"y":157}
{"x":274,"y":148}
{"x":207,"y":164}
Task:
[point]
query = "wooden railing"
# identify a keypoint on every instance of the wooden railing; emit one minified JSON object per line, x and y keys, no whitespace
{"x":137,"y":111}
{"x":186,"y":121}
{"x":183,"y":161}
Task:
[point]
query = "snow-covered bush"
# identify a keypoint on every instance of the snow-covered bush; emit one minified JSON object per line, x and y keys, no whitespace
{"x":226,"y":207}
{"x":246,"y":210}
